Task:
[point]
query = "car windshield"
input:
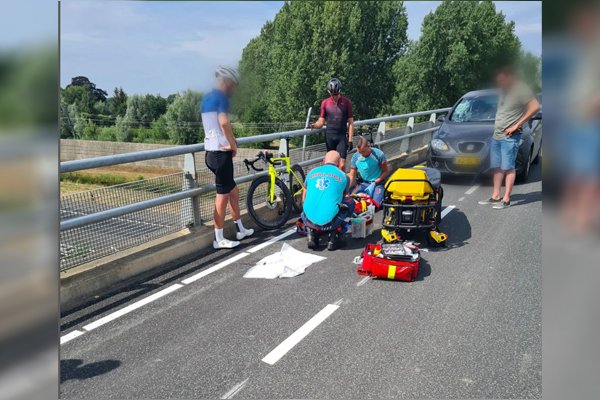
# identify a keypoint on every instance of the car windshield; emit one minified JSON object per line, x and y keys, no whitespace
{"x":475,"y":109}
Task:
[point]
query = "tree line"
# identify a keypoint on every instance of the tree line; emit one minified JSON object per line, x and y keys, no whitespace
{"x":285,"y":68}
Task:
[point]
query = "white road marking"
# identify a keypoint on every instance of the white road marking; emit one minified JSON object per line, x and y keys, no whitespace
{"x":234,"y":390}
{"x":447,"y":210}
{"x":472,"y":189}
{"x":271,"y":241}
{"x":363,"y":281}
{"x":70,"y":336}
{"x":300,"y":334}
{"x":214,"y":268}
{"x":462,"y":198}
{"x":131,"y":307}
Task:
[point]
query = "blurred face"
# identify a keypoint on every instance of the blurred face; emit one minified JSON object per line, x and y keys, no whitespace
{"x":335,"y":96}
{"x":504,"y":80}
{"x":230,"y":87}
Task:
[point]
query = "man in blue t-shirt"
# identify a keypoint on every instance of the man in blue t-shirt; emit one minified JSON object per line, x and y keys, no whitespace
{"x":372,"y":167}
{"x":325,"y":205}
{"x":220,"y":147}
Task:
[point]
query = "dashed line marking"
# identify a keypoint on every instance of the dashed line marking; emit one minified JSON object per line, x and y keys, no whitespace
{"x":235,"y":390}
{"x":447,"y":210}
{"x":70,"y":336}
{"x":117,"y":314}
{"x":462,"y":198}
{"x":472,"y":189}
{"x":271,"y":241}
{"x":295,"y":338}
{"x":131,"y":307}
{"x":363,"y":281}
{"x":214,"y":268}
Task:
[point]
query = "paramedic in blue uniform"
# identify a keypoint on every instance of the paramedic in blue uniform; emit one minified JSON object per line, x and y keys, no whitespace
{"x":220,"y":148}
{"x":326,"y":206}
{"x":371,"y":165}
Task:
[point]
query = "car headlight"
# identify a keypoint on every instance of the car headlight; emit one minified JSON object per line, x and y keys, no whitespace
{"x":439,"y":145}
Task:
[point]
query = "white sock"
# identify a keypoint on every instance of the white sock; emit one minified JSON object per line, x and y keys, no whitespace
{"x":239,"y":225}
{"x":219,"y":234}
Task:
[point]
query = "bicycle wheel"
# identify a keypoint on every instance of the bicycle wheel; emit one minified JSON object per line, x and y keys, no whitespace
{"x":296,"y":187}
{"x":267,"y":214}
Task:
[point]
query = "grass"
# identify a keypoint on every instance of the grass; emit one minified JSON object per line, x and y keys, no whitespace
{"x":96,"y":179}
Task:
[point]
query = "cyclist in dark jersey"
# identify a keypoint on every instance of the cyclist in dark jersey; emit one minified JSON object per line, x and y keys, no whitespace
{"x":336,"y":113}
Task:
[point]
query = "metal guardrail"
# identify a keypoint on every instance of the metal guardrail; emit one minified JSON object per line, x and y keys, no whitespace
{"x":187,"y":199}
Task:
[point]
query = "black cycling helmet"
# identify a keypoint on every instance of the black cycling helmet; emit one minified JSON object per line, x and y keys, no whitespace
{"x":334,"y":86}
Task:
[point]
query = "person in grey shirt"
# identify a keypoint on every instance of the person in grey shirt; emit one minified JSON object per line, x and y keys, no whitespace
{"x":516,"y":106}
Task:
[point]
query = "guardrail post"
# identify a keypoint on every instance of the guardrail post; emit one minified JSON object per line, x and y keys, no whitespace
{"x":191,"y":206}
{"x":406,"y":145}
{"x":433,"y":119}
{"x":380,"y":132}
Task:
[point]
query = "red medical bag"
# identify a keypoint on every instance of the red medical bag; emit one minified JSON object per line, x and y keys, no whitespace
{"x":386,"y":267}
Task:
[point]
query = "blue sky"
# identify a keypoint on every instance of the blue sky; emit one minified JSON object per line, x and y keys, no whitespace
{"x":166,"y":47}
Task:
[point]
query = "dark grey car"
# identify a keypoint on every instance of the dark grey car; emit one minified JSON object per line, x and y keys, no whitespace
{"x":462,"y":144}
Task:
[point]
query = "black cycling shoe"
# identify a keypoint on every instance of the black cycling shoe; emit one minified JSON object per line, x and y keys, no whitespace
{"x":313,"y":240}
{"x":333,"y":242}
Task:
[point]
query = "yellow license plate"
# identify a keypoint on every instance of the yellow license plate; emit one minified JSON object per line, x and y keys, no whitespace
{"x":467,"y":160}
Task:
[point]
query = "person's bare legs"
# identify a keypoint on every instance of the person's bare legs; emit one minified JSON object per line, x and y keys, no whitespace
{"x":498,"y":176}
{"x":234,"y":203}
{"x":220,"y":210}
{"x":508,"y":184}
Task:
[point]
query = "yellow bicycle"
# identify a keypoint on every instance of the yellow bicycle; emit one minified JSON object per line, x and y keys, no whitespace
{"x":272,"y":197}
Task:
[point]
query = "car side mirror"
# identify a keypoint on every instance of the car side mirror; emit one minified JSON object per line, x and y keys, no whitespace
{"x":441,"y":118}
{"x":537,"y":116}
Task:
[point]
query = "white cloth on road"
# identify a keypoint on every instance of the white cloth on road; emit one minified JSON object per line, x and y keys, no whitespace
{"x":286,"y":263}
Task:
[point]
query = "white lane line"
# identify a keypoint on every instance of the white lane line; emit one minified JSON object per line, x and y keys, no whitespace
{"x":300,"y":334}
{"x":363,"y":281}
{"x":271,"y":241}
{"x":234,"y":390}
{"x":70,"y":336}
{"x":131,"y":307}
{"x":472,"y":189}
{"x":462,"y":198}
{"x":447,"y":210}
{"x":214,"y":268}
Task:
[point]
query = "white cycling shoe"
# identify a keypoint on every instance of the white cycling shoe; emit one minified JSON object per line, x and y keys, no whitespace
{"x":225,"y":244}
{"x":247,"y":232}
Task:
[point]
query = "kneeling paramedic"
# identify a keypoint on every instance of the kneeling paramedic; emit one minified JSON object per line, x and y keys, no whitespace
{"x":325,"y":205}
{"x":372,"y":167}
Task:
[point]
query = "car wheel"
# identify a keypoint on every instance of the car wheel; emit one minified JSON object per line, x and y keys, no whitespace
{"x":524,"y":174}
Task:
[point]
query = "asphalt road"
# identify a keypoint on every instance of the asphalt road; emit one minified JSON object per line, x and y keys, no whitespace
{"x":470,"y":326}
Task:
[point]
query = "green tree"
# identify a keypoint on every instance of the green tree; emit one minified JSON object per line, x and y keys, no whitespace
{"x":183,"y":118}
{"x":138,"y":112}
{"x":124,"y":131}
{"x":531,"y":69}
{"x":461,"y":44}
{"x":156,"y":105}
{"x":285,"y":69}
{"x":95,"y":94}
{"x":118,"y":102}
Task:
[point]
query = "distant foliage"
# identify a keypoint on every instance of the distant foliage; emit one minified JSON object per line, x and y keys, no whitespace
{"x":285,"y":69}
{"x":183,"y":118}
{"x":461,"y":44}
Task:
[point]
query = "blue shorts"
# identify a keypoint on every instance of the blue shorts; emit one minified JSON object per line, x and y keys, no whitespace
{"x":377,"y":195}
{"x":503,"y":152}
